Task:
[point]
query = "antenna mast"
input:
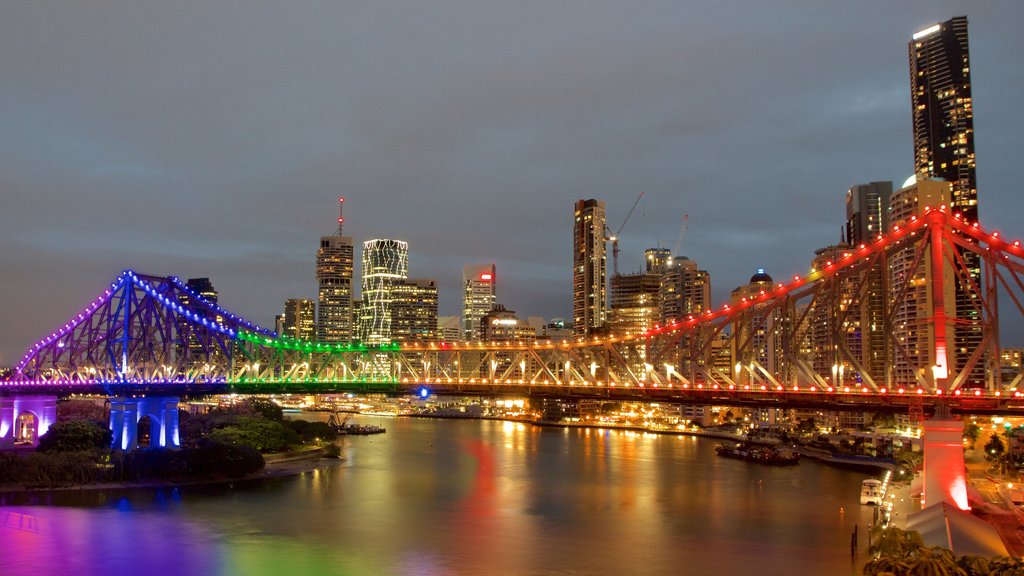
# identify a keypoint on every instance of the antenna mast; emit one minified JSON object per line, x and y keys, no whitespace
{"x":341,"y":215}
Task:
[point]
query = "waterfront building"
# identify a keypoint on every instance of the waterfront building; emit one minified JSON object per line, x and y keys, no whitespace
{"x":683,"y":291}
{"x":943,"y":122}
{"x":756,"y":334}
{"x":589,"y":268}
{"x":335,"y":260}
{"x":299,"y":319}
{"x":1011,"y":364}
{"x":385,"y":264}
{"x":867,"y":217}
{"x":479,"y":294}
{"x":835,"y":332}
{"x":913,"y":330}
{"x":279,"y":324}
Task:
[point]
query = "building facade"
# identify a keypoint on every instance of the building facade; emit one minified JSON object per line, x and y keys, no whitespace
{"x":335,"y":260}
{"x":479,"y":294}
{"x":912,"y":327}
{"x":589,"y":268}
{"x":943,"y":121}
{"x":413,"y":304}
{"x":299,"y":319}
{"x":867,"y":216}
{"x":385,"y":265}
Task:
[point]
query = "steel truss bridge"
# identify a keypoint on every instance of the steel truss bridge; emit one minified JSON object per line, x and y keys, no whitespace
{"x":795,"y":344}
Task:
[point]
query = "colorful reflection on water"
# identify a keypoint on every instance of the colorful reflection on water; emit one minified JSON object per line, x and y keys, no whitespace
{"x":439,"y":497}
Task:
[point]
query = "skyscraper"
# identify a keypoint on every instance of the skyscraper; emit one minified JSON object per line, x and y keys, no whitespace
{"x":913,"y":326}
{"x":589,"y":268}
{"x":334,"y":263}
{"x":866,"y":218}
{"x":413,"y":310}
{"x":203,"y":288}
{"x":299,"y":319}
{"x":943,"y":114}
{"x":479,"y":294}
{"x":940,"y":94}
{"x":385,"y":264}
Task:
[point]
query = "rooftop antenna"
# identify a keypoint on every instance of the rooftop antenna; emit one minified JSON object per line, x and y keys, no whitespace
{"x":341,"y":215}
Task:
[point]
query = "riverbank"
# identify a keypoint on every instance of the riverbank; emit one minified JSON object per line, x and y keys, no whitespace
{"x":279,"y":465}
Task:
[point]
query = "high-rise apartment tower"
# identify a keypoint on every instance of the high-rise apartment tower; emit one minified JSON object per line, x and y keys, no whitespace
{"x":589,"y":268}
{"x":943,"y":117}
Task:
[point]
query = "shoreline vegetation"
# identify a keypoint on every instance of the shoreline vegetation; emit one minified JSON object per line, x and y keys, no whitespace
{"x":247,"y":441}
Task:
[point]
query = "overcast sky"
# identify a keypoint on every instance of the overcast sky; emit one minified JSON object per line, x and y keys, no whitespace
{"x":213,"y":138}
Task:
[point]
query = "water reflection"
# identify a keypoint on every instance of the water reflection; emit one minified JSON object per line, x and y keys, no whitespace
{"x":465,"y":497}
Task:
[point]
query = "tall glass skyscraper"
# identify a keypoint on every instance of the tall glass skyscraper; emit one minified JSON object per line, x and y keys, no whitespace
{"x":589,"y":268}
{"x":943,"y":115}
{"x":940,"y":94}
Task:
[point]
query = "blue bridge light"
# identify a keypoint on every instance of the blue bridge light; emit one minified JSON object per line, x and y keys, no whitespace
{"x":424,"y":392}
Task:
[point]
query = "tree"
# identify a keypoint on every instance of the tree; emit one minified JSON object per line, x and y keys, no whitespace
{"x":81,"y":410}
{"x":213,"y":458}
{"x":75,"y":436}
{"x":263,"y":435}
{"x":807,"y":426}
{"x":971,"y":433}
{"x":994,"y":448}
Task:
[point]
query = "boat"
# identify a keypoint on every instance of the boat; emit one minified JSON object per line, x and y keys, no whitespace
{"x":768,"y":455}
{"x":343,"y":427}
{"x":357,"y":430}
{"x":871,"y":492}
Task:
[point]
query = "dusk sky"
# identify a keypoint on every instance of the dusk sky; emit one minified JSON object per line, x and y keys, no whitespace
{"x":199,"y":138}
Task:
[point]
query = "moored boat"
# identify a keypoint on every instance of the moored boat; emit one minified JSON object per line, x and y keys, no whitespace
{"x":769,"y":455}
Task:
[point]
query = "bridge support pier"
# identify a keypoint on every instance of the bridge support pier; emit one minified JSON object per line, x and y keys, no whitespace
{"x":125,"y":414}
{"x":945,"y":477}
{"x":23,"y":419}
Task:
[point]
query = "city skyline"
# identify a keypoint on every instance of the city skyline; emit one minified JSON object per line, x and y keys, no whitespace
{"x":245,"y":211}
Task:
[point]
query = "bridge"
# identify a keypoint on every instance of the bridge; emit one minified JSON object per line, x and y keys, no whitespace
{"x":147,"y":341}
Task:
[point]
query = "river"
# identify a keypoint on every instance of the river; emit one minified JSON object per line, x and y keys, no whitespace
{"x":453,"y":497}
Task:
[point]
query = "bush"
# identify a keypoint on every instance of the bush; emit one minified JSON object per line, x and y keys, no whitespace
{"x":212,"y":458}
{"x":75,"y":436}
{"x":263,"y":435}
{"x":310,"y":431}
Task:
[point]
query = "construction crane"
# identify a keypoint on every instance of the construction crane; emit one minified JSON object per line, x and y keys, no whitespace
{"x":615,"y":237}
{"x":679,"y":241}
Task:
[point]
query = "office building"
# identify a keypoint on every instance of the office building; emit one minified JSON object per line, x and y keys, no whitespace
{"x":479,"y":294}
{"x":385,"y":265}
{"x":299,"y":319}
{"x":589,"y":269}
{"x":335,"y":260}
{"x":413,"y":304}
{"x":200,"y":348}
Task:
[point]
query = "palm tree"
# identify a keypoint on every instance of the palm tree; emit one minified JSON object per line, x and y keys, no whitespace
{"x":936,"y":561}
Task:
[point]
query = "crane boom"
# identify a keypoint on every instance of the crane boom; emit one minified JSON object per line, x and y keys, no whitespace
{"x":615,"y":237}
{"x":679,"y":240}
